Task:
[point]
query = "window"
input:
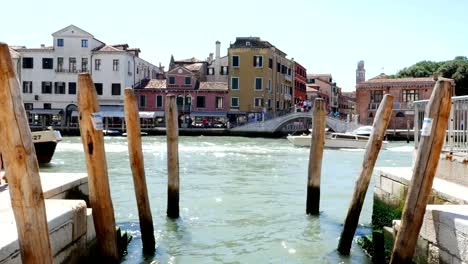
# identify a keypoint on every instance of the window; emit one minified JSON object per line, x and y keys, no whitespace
{"x":28,"y":106}
{"x":269,"y":103}
{"x":376,"y":96}
{"x":200,"y":101}
{"x":258,"y":102}
{"x":235,"y":102}
{"x":210,"y":71}
{"x":269,"y":86}
{"x":159,"y":101}
{"x":84,"y":64}
{"x":235,"y":83}
{"x":27,"y":87}
{"x":142,"y":100}
{"x":47,"y":63}
{"x":278,"y":67}
{"x":224,"y":70}
{"x":97,"y":64}
{"x":98,"y":87}
{"x":410,"y":95}
{"x":28,"y":63}
{"x":84,"y":43}
{"x":60,"y":64}
{"x":219,"y":102}
{"x":60,"y":42}
{"x":235,"y":61}
{"x":115,"y":65}
{"x":59,"y":88}
{"x":72,"y":64}
{"x":270,"y":63}
{"x":289,"y":71}
{"x":258,"y":61}
{"x":400,"y":114}
{"x":116,"y":89}
{"x":47,"y":106}
{"x":46,"y":87}
{"x":277,"y":104}
{"x":171,"y":80}
{"x":72,"y":88}
{"x":258,"y":83}
{"x":284,"y":69}
{"x":311,"y":80}
{"x":188,"y":80}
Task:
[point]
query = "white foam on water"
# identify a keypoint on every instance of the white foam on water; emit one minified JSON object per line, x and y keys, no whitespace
{"x":401,"y":149}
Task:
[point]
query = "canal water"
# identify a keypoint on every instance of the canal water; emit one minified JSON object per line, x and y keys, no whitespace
{"x":242,"y":200}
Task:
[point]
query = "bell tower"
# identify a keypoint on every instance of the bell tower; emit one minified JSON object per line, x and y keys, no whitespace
{"x":360,"y":72}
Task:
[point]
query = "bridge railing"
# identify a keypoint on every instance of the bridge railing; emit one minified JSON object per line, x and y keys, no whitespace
{"x":456,"y":138}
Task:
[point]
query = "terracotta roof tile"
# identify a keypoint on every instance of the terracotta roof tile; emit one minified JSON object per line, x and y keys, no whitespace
{"x":398,"y":80}
{"x":156,"y":84}
{"x":109,"y":48}
{"x":194,"y":67}
{"x":223,"y":86}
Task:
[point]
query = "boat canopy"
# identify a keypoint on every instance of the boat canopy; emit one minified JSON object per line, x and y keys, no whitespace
{"x":151,"y":114}
{"x":109,"y":111}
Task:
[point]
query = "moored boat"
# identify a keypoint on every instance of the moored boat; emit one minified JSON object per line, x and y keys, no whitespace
{"x":334,"y":140}
{"x":45,"y":143}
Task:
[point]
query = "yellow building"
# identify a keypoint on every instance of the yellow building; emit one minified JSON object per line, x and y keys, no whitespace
{"x":260,"y":78}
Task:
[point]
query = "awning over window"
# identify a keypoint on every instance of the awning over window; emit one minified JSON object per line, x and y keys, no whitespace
{"x":150,"y":114}
{"x":109,"y":111}
{"x":209,"y":114}
{"x":46,"y":111}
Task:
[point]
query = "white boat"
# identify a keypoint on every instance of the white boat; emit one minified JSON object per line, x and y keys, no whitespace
{"x":334,"y":140}
{"x":363,"y":131}
{"x":45,"y":142}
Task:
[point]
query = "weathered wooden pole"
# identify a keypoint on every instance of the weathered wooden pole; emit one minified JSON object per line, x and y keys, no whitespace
{"x":381,"y":120}
{"x":90,"y":122}
{"x":315,"y":157}
{"x":21,"y":168}
{"x":427,"y":159}
{"x":172,"y":132}
{"x":132,"y":118}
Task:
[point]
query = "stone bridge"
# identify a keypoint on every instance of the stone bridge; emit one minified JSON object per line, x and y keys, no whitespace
{"x":278,"y":123}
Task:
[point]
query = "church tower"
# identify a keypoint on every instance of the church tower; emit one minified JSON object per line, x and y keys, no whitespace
{"x":360,"y":72}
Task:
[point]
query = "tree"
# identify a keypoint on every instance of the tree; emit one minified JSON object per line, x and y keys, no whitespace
{"x":420,"y":69}
{"x":456,"y":69}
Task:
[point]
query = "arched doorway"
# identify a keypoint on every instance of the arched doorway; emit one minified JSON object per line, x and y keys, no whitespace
{"x":70,"y":119}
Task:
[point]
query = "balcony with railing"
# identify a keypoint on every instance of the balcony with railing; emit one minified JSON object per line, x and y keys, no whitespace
{"x":61,"y":70}
{"x":456,"y":137}
{"x":396,"y":106}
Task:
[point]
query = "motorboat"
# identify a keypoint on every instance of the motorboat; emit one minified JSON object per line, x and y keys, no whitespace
{"x":363,"y":131}
{"x":334,"y":140}
{"x":45,"y":142}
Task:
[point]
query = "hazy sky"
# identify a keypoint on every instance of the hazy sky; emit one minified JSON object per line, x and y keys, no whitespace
{"x":324,"y":36}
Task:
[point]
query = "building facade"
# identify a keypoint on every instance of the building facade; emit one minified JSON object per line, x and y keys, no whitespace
{"x":405,"y":91}
{"x":48,"y":75}
{"x":325,"y":84}
{"x":218,"y":67}
{"x":300,"y":82}
{"x":261,"y":79}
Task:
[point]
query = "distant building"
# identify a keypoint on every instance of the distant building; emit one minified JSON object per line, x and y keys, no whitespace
{"x":260,"y":78}
{"x":405,"y":91}
{"x":326,"y":85}
{"x":300,"y":77}
{"x":218,"y":67}
{"x":360,"y":72}
{"x":48,"y":75}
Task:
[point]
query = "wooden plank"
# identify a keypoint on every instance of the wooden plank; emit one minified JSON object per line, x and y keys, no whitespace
{"x":381,"y":120}
{"x":21,"y":168}
{"x":96,"y":165}
{"x":132,"y":118}
{"x":431,"y":142}
{"x":315,"y":157}
{"x":172,"y":132}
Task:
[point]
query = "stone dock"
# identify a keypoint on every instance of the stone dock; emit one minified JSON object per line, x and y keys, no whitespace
{"x":69,"y":219}
{"x":444,"y":234}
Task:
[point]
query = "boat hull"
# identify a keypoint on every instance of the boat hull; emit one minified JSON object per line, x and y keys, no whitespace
{"x":45,"y":151}
{"x":330,"y":142}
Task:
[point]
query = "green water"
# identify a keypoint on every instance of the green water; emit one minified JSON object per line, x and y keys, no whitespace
{"x":242,"y":200}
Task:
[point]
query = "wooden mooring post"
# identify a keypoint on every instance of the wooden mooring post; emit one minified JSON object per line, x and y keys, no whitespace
{"x":90,"y":122}
{"x":21,"y":168}
{"x":432,"y":138}
{"x":172,"y":132}
{"x":315,"y":157}
{"x":381,"y":120}
{"x":132,"y":118}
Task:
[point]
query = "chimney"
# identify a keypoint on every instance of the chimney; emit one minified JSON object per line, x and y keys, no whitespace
{"x":210,"y":58}
{"x":218,"y":49}
{"x":42,"y":46}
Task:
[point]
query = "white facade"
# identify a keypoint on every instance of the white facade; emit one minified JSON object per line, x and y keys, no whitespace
{"x":218,"y":70}
{"x":54,"y":71}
